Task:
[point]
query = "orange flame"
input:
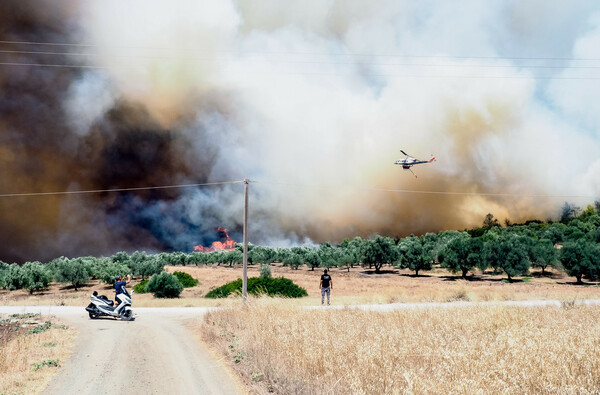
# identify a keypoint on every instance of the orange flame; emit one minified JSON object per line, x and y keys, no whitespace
{"x":225,"y":244}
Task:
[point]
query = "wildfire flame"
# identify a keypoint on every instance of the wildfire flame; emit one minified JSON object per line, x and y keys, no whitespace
{"x":225,"y":244}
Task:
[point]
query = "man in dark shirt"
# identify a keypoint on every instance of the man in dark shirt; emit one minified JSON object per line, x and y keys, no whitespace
{"x":326,"y":285}
{"x":120,"y":287}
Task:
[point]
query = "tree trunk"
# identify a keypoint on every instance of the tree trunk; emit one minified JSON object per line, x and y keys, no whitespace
{"x":417,"y":272}
{"x":348,"y":269}
{"x":578,"y":277}
{"x":543,"y":272}
{"x":464,"y":272}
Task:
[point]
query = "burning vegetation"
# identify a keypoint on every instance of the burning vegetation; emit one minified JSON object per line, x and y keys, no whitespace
{"x":225,"y":243}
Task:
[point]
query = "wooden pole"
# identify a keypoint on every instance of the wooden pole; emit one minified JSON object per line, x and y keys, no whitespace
{"x":245,"y":276}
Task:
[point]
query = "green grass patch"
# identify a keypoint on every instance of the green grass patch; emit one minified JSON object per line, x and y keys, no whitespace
{"x":526,"y":279}
{"x":141,"y":287}
{"x":48,"y":362}
{"x":186,"y":280}
{"x":41,"y":328}
{"x":260,"y":286}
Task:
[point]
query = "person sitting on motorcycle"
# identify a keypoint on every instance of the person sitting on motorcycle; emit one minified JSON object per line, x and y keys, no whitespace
{"x":120,"y":287}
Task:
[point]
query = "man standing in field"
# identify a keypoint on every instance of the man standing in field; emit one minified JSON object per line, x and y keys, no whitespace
{"x":326,"y":285}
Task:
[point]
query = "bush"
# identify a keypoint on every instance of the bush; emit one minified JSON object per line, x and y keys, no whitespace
{"x":265,"y":270}
{"x":186,"y":280}
{"x":258,"y":285}
{"x":141,"y":287}
{"x":164,"y":285}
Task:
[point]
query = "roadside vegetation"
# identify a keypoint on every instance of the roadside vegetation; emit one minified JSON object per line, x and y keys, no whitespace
{"x":31,"y":350}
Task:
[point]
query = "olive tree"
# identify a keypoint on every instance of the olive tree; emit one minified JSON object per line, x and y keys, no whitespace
{"x":508,"y":253}
{"x":462,"y":254}
{"x":35,"y":276}
{"x":3,"y":275}
{"x":579,"y":258}
{"x":543,"y":254}
{"x":74,"y":271}
{"x":292,"y":260}
{"x":379,"y":251}
{"x":412,"y":255}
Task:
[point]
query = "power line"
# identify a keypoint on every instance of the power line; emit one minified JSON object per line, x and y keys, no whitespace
{"x":418,"y":76}
{"x":117,"y":189}
{"x":327,"y":62}
{"x":318,"y":186}
{"x":413,"y":191}
{"x":398,"y":55}
{"x":75,"y":66}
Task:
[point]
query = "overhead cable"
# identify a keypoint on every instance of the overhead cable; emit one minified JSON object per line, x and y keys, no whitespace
{"x":415,"y":191}
{"x":118,"y":189}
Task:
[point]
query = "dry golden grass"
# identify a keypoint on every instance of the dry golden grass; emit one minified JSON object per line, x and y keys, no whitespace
{"x":484,"y":350}
{"x":18,"y":356}
{"x":359,"y":286}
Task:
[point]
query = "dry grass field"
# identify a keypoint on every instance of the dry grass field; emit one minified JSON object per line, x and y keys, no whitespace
{"x":29,"y":357}
{"x":278,"y":348}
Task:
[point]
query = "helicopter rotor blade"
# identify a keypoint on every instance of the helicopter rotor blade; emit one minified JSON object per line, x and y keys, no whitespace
{"x":404,"y":153}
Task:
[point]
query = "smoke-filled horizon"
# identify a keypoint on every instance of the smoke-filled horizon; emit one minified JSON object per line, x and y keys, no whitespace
{"x":312,"y":99}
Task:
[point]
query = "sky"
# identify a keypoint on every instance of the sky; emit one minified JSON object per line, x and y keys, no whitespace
{"x":312,"y":101}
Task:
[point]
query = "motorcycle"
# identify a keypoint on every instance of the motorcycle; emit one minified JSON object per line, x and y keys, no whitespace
{"x":102,"y":306}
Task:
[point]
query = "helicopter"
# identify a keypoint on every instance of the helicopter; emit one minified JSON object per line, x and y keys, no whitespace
{"x":409,"y":161}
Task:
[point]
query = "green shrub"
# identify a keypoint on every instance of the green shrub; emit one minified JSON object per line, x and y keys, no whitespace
{"x":164,"y":285}
{"x":141,"y":287}
{"x":186,"y":280}
{"x":258,"y":285}
{"x":265,"y":270}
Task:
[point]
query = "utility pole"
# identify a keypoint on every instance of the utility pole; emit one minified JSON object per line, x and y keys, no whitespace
{"x":245,"y":276}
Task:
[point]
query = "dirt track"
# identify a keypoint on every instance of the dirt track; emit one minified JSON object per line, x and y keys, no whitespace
{"x":155,"y":354}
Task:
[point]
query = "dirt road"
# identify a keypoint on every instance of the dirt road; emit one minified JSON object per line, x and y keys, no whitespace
{"x":155,"y":354}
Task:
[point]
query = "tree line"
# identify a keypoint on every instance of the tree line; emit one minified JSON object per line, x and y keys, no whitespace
{"x":571,"y":244}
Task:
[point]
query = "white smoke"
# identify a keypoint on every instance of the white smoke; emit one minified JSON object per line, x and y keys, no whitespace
{"x":322,"y":95}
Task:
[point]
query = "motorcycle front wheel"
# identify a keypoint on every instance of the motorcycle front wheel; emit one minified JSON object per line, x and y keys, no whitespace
{"x":127,"y":315}
{"x":93,"y":315}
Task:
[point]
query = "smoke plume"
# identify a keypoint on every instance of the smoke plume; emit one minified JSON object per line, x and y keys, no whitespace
{"x":312,"y":100}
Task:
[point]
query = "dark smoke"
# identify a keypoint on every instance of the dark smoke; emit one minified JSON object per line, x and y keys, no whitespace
{"x":41,"y":151}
